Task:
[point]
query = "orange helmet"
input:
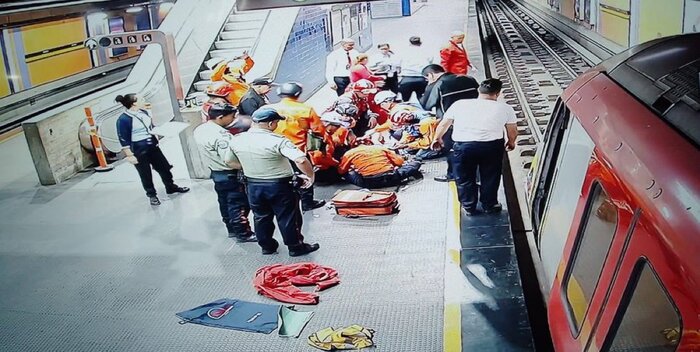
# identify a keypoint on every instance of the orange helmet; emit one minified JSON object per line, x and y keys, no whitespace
{"x":219,"y":89}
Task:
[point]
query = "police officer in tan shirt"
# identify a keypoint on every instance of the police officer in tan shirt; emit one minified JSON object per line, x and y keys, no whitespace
{"x":214,"y":142}
{"x":265,"y":157}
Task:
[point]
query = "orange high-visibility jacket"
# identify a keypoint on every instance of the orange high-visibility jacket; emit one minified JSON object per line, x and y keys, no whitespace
{"x":324,"y":159}
{"x":300,"y":118}
{"x":369,"y":160}
{"x":454,"y":59}
{"x":239,"y":88}
{"x":341,"y":137}
{"x":427,"y":129}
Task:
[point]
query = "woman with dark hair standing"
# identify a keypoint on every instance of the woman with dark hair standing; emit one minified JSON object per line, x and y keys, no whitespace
{"x":141,"y":147}
{"x":386,"y":64}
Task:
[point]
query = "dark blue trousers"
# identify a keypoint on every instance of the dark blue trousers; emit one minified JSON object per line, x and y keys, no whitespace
{"x":275,"y":199}
{"x":233,"y":202}
{"x":150,"y":156}
{"x":389,"y":179}
{"x":487,"y":158}
{"x":448,"y":145}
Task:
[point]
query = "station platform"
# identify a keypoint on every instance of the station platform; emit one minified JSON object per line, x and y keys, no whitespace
{"x":88,"y":265}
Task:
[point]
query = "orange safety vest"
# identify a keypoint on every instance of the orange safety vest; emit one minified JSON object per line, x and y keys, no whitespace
{"x":427,"y":129}
{"x":299,"y":119}
{"x":239,"y":87}
{"x":370,"y":160}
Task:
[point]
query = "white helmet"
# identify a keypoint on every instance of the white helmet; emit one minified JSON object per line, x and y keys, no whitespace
{"x":384,"y":96}
{"x":334,"y":118}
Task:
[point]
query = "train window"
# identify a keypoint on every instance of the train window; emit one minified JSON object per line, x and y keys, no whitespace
{"x":590,"y":251}
{"x":548,"y":159}
{"x":568,"y":171}
{"x":648,"y":319}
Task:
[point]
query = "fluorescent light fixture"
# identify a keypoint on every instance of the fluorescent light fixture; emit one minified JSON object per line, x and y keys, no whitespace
{"x":134,"y":9}
{"x":96,"y":17}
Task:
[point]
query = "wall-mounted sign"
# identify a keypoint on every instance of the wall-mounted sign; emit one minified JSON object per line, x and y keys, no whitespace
{"x":271,"y":4}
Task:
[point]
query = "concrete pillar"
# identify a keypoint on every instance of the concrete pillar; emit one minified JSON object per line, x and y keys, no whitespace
{"x":198,"y":168}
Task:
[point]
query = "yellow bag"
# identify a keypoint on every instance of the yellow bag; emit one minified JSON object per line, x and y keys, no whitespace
{"x":347,"y":338}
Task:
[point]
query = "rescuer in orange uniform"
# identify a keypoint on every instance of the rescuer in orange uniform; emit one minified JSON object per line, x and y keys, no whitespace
{"x":303,"y":127}
{"x":232,"y":72}
{"x":358,"y":93}
{"x":375,"y":166}
{"x":416,"y":135}
{"x":386,"y":100}
{"x":338,"y":139}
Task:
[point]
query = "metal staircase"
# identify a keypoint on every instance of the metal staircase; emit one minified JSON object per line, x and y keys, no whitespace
{"x":240,"y":33}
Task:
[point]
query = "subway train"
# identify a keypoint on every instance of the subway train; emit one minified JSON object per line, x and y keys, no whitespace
{"x":614,"y":199}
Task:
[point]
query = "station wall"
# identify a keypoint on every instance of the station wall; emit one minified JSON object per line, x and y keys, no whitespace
{"x":629,"y":22}
{"x":47,"y":49}
{"x":313,"y":36}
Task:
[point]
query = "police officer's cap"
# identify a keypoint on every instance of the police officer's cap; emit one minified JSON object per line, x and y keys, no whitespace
{"x":219,"y":109}
{"x":266,"y":115}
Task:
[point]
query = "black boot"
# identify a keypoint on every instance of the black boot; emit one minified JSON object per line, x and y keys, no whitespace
{"x":177,"y":189}
{"x":314,"y":204}
{"x":301,"y":249}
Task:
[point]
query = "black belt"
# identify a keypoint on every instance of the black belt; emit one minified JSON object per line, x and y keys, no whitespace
{"x":147,"y":141}
{"x":269,"y":180}
{"x":225,"y":172}
{"x":491,"y":141}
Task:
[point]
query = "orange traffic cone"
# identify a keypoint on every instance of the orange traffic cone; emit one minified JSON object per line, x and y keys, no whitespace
{"x":97,"y":145}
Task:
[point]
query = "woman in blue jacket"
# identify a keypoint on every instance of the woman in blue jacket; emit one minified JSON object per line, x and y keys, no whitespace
{"x":141,"y":147}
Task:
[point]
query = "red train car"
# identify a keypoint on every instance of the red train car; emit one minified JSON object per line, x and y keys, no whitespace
{"x":615,"y":203}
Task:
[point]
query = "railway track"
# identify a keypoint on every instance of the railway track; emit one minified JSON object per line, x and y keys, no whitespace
{"x":535,"y":67}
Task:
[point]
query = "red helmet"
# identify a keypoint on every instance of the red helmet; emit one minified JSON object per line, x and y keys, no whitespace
{"x":219,"y":89}
{"x":363,"y":86}
{"x":402,"y":117}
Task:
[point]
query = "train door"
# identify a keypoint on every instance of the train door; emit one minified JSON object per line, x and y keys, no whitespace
{"x":649,"y":307}
{"x":564,"y":164}
{"x":541,"y":173}
{"x":602,"y":219}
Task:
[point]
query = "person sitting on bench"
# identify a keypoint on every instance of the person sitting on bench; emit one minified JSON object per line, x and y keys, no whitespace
{"x":375,"y":166}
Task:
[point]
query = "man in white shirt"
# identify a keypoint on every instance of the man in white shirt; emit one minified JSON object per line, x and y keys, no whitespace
{"x":479,"y":145}
{"x":413,"y":60}
{"x":338,"y":65}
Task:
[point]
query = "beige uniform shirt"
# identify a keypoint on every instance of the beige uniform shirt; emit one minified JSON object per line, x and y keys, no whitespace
{"x":214,"y":143}
{"x":264,"y":154}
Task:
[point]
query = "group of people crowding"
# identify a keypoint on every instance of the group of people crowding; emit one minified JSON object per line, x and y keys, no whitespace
{"x":266,"y":157}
